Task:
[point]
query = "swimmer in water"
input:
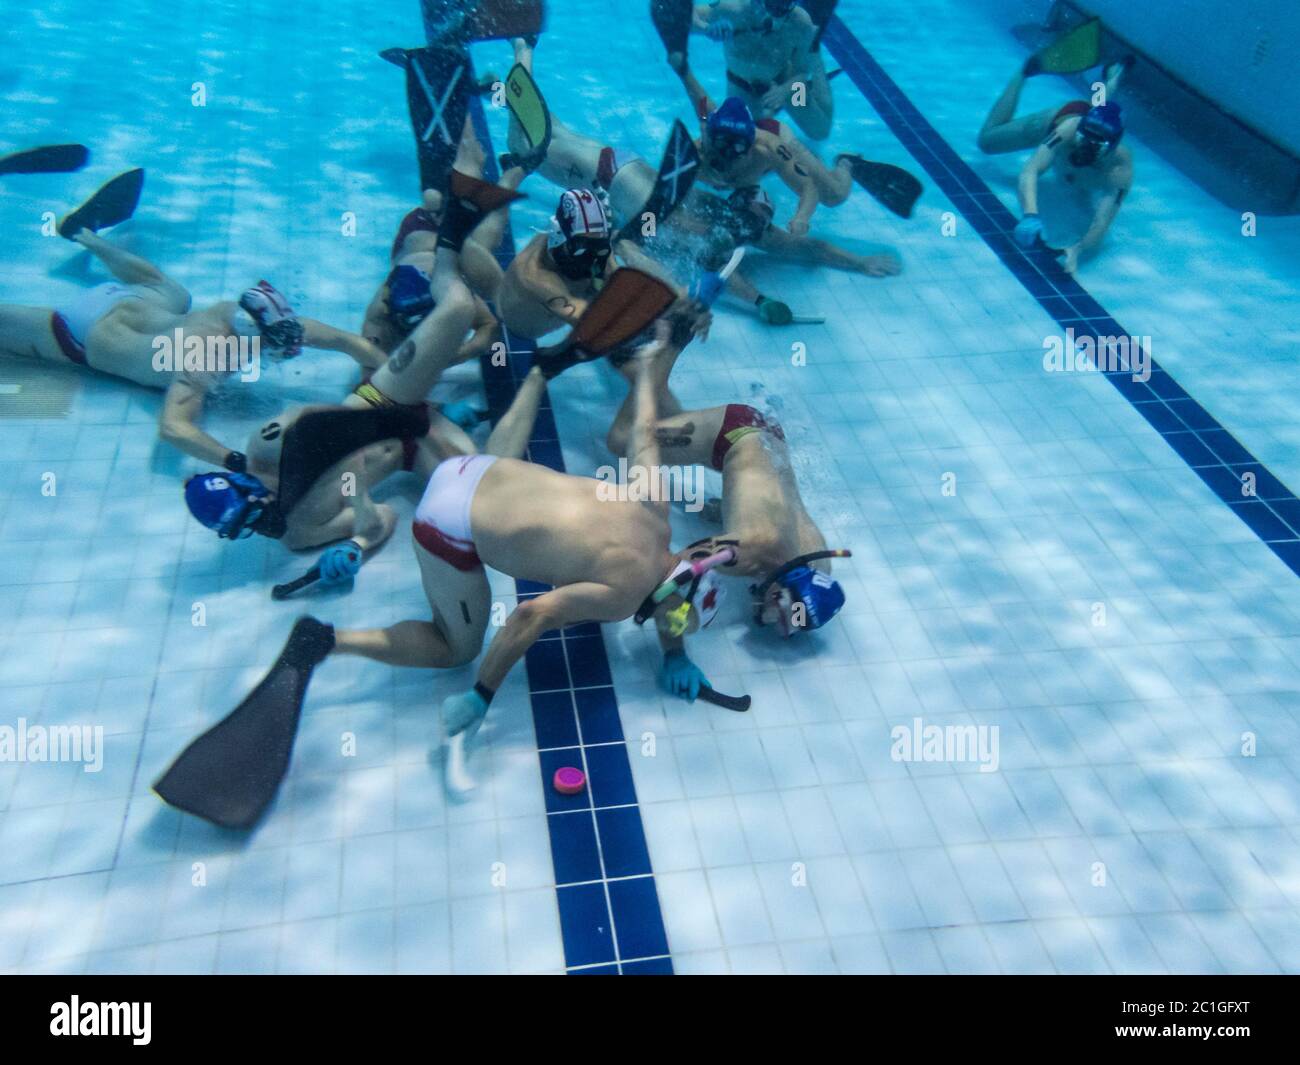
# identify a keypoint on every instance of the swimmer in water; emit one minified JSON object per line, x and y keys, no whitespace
{"x":600,"y":555}
{"x":300,"y":461}
{"x":706,"y":227}
{"x":773,"y":60}
{"x":404,"y":298}
{"x":737,"y":152}
{"x":117,"y":328}
{"x":766,"y":523}
{"x":1080,"y":144}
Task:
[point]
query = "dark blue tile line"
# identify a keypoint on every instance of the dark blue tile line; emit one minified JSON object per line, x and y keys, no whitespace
{"x":1272,"y":511}
{"x":610,"y":918}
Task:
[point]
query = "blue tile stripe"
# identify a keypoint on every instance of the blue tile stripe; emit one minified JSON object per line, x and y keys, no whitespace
{"x":610,"y":917}
{"x":1217,"y":457}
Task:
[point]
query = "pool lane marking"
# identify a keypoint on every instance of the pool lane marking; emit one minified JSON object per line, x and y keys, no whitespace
{"x":1196,"y":436}
{"x":610,"y":917}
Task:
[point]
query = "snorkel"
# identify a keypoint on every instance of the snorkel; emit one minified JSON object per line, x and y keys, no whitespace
{"x":806,"y":598}
{"x":692,"y":581}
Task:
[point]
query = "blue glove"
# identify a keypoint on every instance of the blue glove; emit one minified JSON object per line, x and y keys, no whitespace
{"x":681,"y":677}
{"x":462,"y":412}
{"x":707,"y":287}
{"x":720,"y":29}
{"x":340,"y":563}
{"x":464,"y":711}
{"x":1029,"y":232}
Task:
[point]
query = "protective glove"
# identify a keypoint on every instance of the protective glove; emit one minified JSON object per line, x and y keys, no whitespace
{"x":1029,"y":231}
{"x":463,"y":712}
{"x":681,"y":677}
{"x":339,"y":563}
{"x":774,"y":312}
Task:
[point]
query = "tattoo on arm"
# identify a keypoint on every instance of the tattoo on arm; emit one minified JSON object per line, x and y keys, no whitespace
{"x":679,"y":436}
{"x":402,"y":357}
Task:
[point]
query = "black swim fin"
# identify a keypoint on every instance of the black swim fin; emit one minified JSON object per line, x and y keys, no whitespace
{"x":320,"y":438}
{"x":630,"y":301}
{"x":677,"y":173}
{"x":51,"y":159}
{"x":439,"y":83}
{"x":230,"y":774}
{"x":672,"y":18}
{"x":821,"y":12}
{"x":892,"y":186}
{"x":500,"y":20}
{"x":113,"y":203}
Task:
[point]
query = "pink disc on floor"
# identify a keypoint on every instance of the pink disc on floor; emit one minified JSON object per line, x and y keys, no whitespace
{"x":569,"y":781}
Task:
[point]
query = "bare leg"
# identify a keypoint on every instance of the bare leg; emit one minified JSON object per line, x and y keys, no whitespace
{"x":814,"y":117}
{"x":416,"y":644}
{"x":823,"y":253}
{"x":414,"y":368}
{"x":1003,"y":132}
{"x":666,"y":404}
{"x":139,"y":273}
{"x":25,"y":333}
{"x":509,"y":438}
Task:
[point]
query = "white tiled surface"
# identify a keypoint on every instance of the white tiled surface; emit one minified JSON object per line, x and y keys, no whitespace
{"x":786,"y":840}
{"x":1118,"y":744}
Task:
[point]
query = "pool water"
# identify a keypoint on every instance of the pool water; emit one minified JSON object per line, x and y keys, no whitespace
{"x":1132,"y":638}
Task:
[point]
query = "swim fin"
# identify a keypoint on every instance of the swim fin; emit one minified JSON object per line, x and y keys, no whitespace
{"x":230,"y":774}
{"x":51,"y":159}
{"x":672,"y":18}
{"x":1078,"y":50}
{"x":891,"y":186}
{"x":439,"y":83}
{"x":320,"y":438}
{"x":113,"y":202}
{"x":821,"y":12}
{"x":677,"y":173}
{"x":529,"y":109}
{"x":497,"y":20}
{"x":630,"y":301}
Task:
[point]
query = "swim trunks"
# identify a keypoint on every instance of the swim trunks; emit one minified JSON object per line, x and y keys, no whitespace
{"x":740,"y":421}
{"x":442,"y":525}
{"x":73,"y":321}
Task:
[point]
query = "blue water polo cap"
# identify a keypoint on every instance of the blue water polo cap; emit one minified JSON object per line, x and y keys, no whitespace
{"x":1104,"y":123}
{"x":731,"y":127}
{"x":228,"y":502}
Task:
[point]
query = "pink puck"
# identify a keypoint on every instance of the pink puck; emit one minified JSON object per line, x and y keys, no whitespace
{"x":569,"y":781}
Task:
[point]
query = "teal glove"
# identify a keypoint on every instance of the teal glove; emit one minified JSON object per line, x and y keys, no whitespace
{"x":462,"y":412}
{"x":1029,"y":232}
{"x":463,"y":712}
{"x":774,"y":312}
{"x":681,"y":677}
{"x":340,"y":563}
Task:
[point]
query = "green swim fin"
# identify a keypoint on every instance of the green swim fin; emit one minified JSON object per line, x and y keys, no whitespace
{"x":114,"y":202}
{"x":524,"y":99}
{"x":1078,"y":50}
{"x":231,"y":773}
{"x":51,"y":159}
